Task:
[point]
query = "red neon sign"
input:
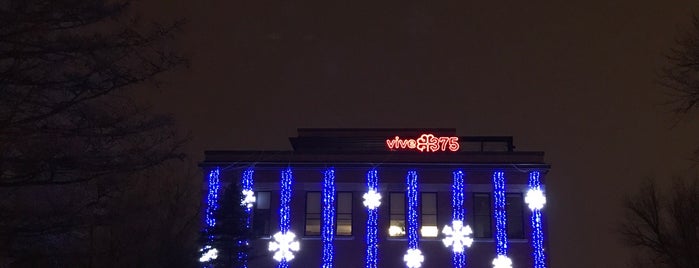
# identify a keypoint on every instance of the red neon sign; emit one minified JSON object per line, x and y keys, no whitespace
{"x":425,"y":143}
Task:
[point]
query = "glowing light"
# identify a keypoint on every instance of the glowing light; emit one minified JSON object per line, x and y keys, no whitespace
{"x":214,"y":185}
{"x":535,"y":199}
{"x":328,"y":231}
{"x":396,"y":230}
{"x":425,"y":143}
{"x":457,"y":236}
{"x":372,"y":233}
{"x":413,"y":258}
{"x":538,"y":254}
{"x":502,"y":261}
{"x":500,"y":214}
{"x":372,"y":199}
{"x":212,"y":197}
{"x":208,"y":254}
{"x":248,"y":198}
{"x":283,"y":246}
{"x":429,"y":231}
{"x":284,"y":254}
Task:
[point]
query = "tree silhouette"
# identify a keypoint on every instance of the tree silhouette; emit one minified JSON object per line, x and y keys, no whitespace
{"x":73,"y":140}
{"x":662,"y":228}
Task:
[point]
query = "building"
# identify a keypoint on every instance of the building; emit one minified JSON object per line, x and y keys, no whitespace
{"x":316,"y":206}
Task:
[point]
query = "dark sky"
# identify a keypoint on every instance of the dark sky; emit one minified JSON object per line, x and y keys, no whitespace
{"x":572,"y":78}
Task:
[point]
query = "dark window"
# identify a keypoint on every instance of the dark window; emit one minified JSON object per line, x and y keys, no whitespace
{"x":344,"y":214}
{"x":261,"y":214}
{"x":482,"y":215}
{"x":397,"y":214}
{"x":313,"y":213}
{"x":515,"y":215}
{"x":428,"y":217}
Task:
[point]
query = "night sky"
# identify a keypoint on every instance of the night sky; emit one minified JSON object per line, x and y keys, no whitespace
{"x":575,"y":79}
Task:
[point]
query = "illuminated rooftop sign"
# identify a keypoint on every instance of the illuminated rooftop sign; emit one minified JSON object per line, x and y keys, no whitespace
{"x":425,"y":143}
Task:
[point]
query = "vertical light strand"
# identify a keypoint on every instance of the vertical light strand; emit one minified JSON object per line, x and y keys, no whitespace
{"x":246,"y":184}
{"x":372,"y":227}
{"x":413,"y":257}
{"x":537,"y":239}
{"x":457,"y":205}
{"x":328,"y":232}
{"x":413,"y":224}
{"x":285,"y":208}
{"x":500,"y":216}
{"x":214,"y":185}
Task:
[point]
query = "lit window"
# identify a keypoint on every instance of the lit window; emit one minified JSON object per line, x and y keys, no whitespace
{"x":344,"y":213}
{"x":261,"y":214}
{"x":312,"y":214}
{"x":397,"y":214}
{"x":482,"y":215}
{"x":515,"y":215}
{"x":429,"y":215}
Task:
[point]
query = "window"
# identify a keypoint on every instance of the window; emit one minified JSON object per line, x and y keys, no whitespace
{"x":482,"y":215}
{"x":261,"y":214}
{"x":397,"y":214}
{"x":515,"y":215}
{"x":313,"y":214}
{"x":428,"y":215}
{"x":344,"y":214}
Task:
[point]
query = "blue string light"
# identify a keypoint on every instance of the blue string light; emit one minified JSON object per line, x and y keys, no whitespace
{"x":537,"y":226}
{"x":214,"y":185}
{"x":457,"y":204}
{"x":246,"y":183}
{"x":328,"y":234}
{"x":372,"y":232}
{"x":212,"y":201}
{"x":284,"y":207}
{"x":500,"y":213}
{"x":413,"y":224}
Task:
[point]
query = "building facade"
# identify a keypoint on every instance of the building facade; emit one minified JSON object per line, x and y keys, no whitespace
{"x":386,"y":198}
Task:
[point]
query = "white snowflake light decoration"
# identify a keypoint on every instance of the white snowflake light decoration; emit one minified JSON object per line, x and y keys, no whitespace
{"x":413,"y":258}
{"x":284,"y":244}
{"x":208,"y":253}
{"x":535,"y":199}
{"x":248,"y":198}
{"x":457,"y":236}
{"x":372,"y":199}
{"x":502,"y":261}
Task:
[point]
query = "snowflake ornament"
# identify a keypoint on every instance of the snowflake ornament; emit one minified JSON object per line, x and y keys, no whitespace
{"x":248,"y":198}
{"x":284,"y":244}
{"x":502,"y":261}
{"x":372,"y":199}
{"x":535,"y":199}
{"x":457,"y":236}
{"x":208,"y":253}
{"x":413,"y":258}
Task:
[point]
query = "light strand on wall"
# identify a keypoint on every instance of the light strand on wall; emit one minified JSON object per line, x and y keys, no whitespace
{"x":328,"y":232}
{"x":537,"y":239}
{"x":248,"y":201}
{"x":214,"y":184}
{"x":500,"y":216}
{"x":284,"y":243}
{"x":457,"y":205}
{"x":413,"y":258}
{"x":372,"y":201}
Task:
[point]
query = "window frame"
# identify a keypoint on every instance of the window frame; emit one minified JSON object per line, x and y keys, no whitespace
{"x":489,"y":215}
{"x":306,"y":214}
{"x":520,"y":196}
{"x":265,"y":213}
{"x":390,"y":214}
{"x":423,"y":214}
{"x":337,"y":213}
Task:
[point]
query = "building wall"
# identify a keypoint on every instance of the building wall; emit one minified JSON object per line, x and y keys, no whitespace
{"x":350,"y":251}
